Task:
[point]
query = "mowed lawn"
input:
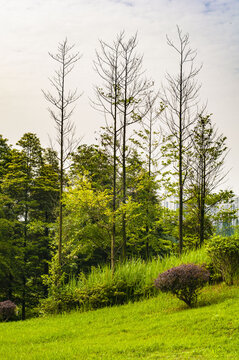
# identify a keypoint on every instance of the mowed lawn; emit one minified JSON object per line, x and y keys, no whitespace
{"x":158,"y":328}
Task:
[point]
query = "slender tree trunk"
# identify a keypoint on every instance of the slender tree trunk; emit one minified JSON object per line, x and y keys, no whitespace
{"x":46,"y":265}
{"x":180,"y":206}
{"x":61,"y":162}
{"x":9,"y":290}
{"x":113,"y":219}
{"x":61,"y":114}
{"x":114,"y":180}
{"x":60,"y":213}
{"x":202,"y":222}
{"x":180,"y":161}
{"x":24,"y":264}
{"x":149,"y":175}
{"x":203,"y":196}
{"x":24,"y":297}
{"x":180,"y":99}
{"x":120,"y":68}
{"x":124,"y":192}
{"x":124,"y":162}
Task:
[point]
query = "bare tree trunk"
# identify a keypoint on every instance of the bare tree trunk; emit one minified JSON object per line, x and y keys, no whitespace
{"x":114,"y":177}
{"x":124,"y":191}
{"x":133,"y":109}
{"x":114,"y":209}
{"x":24,"y":262}
{"x":180,"y":98}
{"x":203,"y":192}
{"x":61,"y":114}
{"x":119,"y":68}
{"x":124,"y":158}
{"x":107,"y":98}
{"x":180,"y":154}
{"x":61,"y":177}
{"x":149,"y":175}
{"x":149,"y":144}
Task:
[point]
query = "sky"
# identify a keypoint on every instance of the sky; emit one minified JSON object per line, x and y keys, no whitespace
{"x":29,"y":29}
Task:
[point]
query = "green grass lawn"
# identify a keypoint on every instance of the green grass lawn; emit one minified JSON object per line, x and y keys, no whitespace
{"x":158,"y":328}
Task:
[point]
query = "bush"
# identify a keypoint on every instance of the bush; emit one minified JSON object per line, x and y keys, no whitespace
{"x":224,"y":255}
{"x":58,"y":303}
{"x":98,"y":296}
{"x":132,"y":281}
{"x":215,"y":277}
{"x":7,"y":310}
{"x":184,"y":281}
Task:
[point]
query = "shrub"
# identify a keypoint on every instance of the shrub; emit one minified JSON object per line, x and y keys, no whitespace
{"x":224,"y":255}
{"x":58,"y":303}
{"x":7,"y":310}
{"x":215,"y":276}
{"x":97,"y":296}
{"x":132,"y":281}
{"x":184,"y":281}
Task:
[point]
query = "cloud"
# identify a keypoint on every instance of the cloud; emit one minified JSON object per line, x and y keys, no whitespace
{"x":124,"y":2}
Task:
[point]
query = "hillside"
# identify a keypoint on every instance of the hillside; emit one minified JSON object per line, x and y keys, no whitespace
{"x":158,"y":328}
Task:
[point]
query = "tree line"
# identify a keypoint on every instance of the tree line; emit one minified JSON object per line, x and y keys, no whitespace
{"x":67,"y":209}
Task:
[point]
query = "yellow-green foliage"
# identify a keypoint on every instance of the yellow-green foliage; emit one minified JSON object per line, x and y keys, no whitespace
{"x":224,"y":254}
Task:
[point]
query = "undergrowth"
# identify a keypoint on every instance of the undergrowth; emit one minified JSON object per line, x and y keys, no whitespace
{"x":131,"y":281}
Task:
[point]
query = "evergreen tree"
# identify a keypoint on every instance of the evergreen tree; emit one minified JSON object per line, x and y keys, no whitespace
{"x":29,"y":184}
{"x":206,"y":171}
{"x":96,"y":162}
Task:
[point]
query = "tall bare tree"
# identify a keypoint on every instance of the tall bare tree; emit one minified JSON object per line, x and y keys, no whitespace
{"x":180,"y":97}
{"x":107,"y":65}
{"x":61,"y":108}
{"x":149,"y":134}
{"x":135,"y":89}
{"x":148,"y":139}
{"x":122,"y":97}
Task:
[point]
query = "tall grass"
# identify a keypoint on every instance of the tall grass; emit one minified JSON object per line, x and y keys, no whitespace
{"x":131,"y":281}
{"x":135,"y":272}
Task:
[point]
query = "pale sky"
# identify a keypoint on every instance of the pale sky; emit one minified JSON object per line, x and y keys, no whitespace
{"x":31,"y":28}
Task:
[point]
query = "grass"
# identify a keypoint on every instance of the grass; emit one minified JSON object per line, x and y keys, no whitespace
{"x":159,"y":328}
{"x":136,"y":271}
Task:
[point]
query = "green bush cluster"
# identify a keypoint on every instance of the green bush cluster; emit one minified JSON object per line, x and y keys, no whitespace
{"x":224,"y":255}
{"x":101,"y":295}
{"x":132,"y":281}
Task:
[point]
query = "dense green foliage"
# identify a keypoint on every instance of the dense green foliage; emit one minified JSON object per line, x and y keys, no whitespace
{"x":224,"y":255}
{"x":158,"y":328}
{"x":29,"y":194}
{"x":206,"y":170}
{"x":131,"y":281}
{"x":66,"y":217}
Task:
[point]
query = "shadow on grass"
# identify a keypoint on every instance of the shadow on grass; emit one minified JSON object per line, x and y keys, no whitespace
{"x":218,"y":296}
{"x":212,"y":295}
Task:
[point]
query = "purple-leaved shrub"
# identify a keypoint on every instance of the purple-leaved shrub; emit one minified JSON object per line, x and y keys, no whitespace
{"x":7,"y":310}
{"x":184,"y":281}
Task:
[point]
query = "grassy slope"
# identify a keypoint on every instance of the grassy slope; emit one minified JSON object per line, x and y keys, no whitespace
{"x":158,"y":328}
